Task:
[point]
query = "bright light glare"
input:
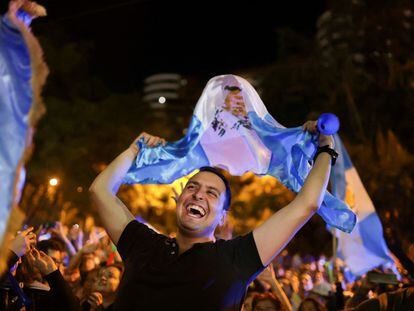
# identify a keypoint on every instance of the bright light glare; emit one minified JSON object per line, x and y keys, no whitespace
{"x":162,"y":100}
{"x":53,"y":181}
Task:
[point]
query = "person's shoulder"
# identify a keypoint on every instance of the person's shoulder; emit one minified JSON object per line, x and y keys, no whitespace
{"x":135,"y":226}
{"x":137,"y":237}
{"x":245,"y":239}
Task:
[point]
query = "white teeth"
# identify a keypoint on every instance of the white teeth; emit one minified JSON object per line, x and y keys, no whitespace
{"x":198,"y":208}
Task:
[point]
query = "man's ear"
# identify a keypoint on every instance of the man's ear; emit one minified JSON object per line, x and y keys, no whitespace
{"x":223,"y":217}
{"x":176,"y":195}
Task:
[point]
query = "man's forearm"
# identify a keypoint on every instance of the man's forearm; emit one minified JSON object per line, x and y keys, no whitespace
{"x":113,"y":213}
{"x":312,"y":193}
{"x":273,"y":235}
{"x":111,"y":177}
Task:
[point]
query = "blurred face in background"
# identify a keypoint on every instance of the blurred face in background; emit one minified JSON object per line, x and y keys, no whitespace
{"x":265,"y":305}
{"x":88,"y":262}
{"x":306,"y":281}
{"x":108,"y":280}
{"x":319,"y":278}
{"x":58,"y":258}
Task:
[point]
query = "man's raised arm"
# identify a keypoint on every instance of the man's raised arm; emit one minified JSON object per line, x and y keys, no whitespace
{"x":113,"y":213}
{"x":273,"y":235}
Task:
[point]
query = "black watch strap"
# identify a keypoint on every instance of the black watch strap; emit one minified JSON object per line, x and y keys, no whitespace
{"x":334,"y":155}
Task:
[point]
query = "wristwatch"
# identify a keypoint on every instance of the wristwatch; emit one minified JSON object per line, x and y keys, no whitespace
{"x":334,"y":155}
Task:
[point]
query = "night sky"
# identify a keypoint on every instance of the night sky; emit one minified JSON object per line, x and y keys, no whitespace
{"x":133,"y":39}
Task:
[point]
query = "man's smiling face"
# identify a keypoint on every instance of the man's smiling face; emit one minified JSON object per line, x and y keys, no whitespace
{"x":200,"y":205}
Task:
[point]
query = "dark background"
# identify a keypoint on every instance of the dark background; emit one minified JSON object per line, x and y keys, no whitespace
{"x":132,"y":39}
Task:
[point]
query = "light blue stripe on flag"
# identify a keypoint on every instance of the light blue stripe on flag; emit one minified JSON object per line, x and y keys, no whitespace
{"x":364,"y":248}
{"x":15,"y":103}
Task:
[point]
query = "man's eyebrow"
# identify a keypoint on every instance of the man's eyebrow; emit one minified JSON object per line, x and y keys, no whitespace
{"x":214,"y":188}
{"x":198,"y":184}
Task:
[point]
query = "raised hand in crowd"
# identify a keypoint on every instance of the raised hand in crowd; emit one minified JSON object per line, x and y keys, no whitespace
{"x":21,"y":244}
{"x":32,"y":10}
{"x":95,"y":300}
{"x":59,"y":230}
{"x":41,"y":261}
{"x":75,"y":234}
{"x":89,"y":248}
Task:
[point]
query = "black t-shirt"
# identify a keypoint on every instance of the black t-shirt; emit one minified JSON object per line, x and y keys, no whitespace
{"x":209,"y":276}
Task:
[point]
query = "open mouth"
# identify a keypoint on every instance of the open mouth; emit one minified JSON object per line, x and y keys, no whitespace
{"x":195,"y":211}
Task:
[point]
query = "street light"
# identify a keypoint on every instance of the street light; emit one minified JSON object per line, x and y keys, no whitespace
{"x":53,"y":182}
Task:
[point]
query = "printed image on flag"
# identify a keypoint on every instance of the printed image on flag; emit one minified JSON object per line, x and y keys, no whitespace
{"x":231,"y":129}
{"x":364,"y":249}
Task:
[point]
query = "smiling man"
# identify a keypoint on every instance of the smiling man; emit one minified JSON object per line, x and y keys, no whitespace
{"x":195,"y":271}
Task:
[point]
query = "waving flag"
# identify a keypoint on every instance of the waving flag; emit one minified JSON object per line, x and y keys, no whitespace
{"x":364,"y":248}
{"x":15,"y":103}
{"x":22,"y":75}
{"x":232,"y":129}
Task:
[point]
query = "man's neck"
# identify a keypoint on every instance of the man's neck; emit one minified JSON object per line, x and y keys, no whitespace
{"x":186,"y":242}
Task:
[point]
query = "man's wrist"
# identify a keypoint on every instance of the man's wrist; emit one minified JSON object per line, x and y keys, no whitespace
{"x":16,"y":252}
{"x":133,"y":149}
{"x":326,"y":149}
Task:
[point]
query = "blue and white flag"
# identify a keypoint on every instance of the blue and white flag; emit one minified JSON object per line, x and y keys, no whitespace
{"x":232,"y":129}
{"x":15,"y":103}
{"x":23,"y":73}
{"x":364,"y":248}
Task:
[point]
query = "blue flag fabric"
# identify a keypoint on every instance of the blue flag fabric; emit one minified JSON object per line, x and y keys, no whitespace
{"x":15,"y":104}
{"x":232,"y":129}
{"x":364,"y":248}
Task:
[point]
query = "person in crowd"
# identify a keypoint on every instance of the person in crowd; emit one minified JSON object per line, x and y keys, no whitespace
{"x":104,"y":289}
{"x":311,"y":304}
{"x":402,"y":299}
{"x":267,"y":302}
{"x":55,"y":249}
{"x":195,"y":267}
{"x":306,"y":284}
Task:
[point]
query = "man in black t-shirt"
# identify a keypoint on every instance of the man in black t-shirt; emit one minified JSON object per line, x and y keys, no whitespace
{"x":195,"y":271}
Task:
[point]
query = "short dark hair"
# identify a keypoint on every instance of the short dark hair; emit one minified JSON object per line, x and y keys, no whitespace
{"x":277,"y":303}
{"x":227,"y":200}
{"x":50,"y":244}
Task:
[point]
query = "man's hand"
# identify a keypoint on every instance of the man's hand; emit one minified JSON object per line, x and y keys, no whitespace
{"x":95,"y":300}
{"x":89,"y":248}
{"x":150,"y":140}
{"x":11,"y":14}
{"x":312,"y":127}
{"x":114,"y":214}
{"x":20,"y":245}
{"x":59,"y":230}
{"x":31,"y":10}
{"x":41,"y":261}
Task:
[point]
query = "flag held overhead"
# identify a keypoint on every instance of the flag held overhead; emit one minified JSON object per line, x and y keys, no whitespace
{"x":232,"y":129}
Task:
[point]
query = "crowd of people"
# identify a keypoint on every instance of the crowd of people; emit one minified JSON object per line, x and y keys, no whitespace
{"x":56,"y":267}
{"x":129,"y":266}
